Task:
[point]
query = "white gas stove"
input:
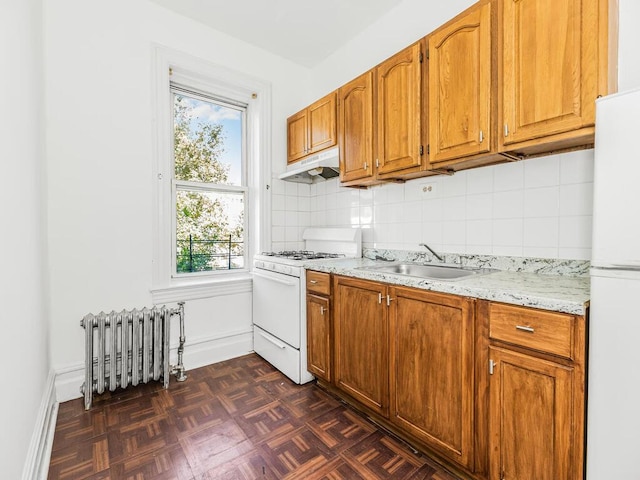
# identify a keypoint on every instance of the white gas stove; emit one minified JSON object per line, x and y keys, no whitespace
{"x":279,"y":297}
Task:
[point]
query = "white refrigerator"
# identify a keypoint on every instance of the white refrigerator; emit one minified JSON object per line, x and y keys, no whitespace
{"x":613,"y":408}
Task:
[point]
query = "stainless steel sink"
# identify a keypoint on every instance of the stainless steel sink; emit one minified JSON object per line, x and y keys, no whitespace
{"x":434,"y":272}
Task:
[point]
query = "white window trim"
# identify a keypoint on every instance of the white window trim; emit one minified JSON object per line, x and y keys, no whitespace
{"x":256,"y":93}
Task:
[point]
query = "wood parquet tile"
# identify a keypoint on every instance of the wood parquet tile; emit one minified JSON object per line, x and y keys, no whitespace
{"x":236,"y":420}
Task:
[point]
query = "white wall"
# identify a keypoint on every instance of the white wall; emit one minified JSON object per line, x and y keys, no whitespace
{"x":99,"y":155}
{"x":24,"y":353}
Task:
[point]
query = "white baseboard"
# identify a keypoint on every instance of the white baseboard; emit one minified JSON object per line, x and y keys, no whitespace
{"x":36,"y":466}
{"x":207,"y":350}
{"x":198,"y":352}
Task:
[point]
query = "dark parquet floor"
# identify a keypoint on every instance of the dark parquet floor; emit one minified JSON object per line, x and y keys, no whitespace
{"x":236,"y":420}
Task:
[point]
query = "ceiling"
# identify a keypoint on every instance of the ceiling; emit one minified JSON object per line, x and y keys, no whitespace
{"x":303,"y":31}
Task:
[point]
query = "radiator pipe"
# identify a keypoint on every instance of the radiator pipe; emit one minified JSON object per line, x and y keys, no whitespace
{"x":178,"y":370}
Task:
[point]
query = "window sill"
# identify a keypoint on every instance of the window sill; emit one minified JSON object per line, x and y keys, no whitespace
{"x":194,"y":289}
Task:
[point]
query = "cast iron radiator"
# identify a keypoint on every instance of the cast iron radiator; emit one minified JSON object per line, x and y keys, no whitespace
{"x":129,"y":347}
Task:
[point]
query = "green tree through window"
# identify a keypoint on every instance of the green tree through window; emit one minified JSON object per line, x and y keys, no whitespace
{"x":209,"y":185}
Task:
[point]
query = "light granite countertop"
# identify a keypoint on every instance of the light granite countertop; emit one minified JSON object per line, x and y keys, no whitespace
{"x":559,"y":293}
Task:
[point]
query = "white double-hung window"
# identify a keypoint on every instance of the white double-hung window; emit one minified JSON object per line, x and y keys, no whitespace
{"x":211,"y":175}
{"x":210,"y":190}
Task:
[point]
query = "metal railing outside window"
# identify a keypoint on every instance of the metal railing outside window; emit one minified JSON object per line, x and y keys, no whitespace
{"x":197,"y":255}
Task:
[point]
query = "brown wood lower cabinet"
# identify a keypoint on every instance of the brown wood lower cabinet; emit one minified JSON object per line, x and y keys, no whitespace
{"x":432,"y":381}
{"x":361,"y":342}
{"x":494,"y":391}
{"x":531,"y":418}
{"x":536,"y":394}
{"x":319,"y":336}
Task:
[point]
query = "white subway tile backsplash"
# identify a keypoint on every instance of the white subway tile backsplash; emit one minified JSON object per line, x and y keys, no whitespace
{"x":540,"y":252}
{"x":575,"y":232}
{"x":540,"y":207}
{"x":479,"y":180}
{"x":277,"y":234}
{"x":508,"y":232}
{"x":366,"y":215}
{"x":277,"y":202}
{"x":432,"y":210}
{"x":541,"y":202}
{"x":508,"y":176}
{"x":277,"y":218}
{"x":542,"y":172}
{"x":278,"y":186}
{"x":576,"y":167}
{"x":576,"y":199}
{"x":479,"y":232}
{"x":479,"y":206}
{"x":304,"y":204}
{"x":454,"y":232}
{"x":452,"y":186}
{"x":541,"y":232}
{"x":508,"y":251}
{"x":432,"y":234}
{"x":411,"y":212}
{"x":304,"y":189}
{"x":508,"y":204}
{"x":455,"y":208}
{"x":291,"y":234}
{"x":291,"y":188}
{"x":291,"y":219}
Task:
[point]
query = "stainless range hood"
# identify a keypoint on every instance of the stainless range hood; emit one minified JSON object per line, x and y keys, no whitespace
{"x":321,"y":166}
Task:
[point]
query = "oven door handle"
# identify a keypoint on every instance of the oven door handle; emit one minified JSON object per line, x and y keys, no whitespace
{"x":277,"y":280}
{"x":275,"y":342}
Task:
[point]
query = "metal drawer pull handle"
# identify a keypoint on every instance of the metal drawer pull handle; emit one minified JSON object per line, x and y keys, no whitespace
{"x":525,"y":329}
{"x":313,"y":281}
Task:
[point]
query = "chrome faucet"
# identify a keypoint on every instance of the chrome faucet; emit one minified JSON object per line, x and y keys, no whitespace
{"x":431,"y":250}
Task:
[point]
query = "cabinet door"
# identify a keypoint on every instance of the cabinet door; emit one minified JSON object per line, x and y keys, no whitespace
{"x":431,"y":378}
{"x":297,"y":136}
{"x":322,"y":123}
{"x":319,"y":337}
{"x":399,"y":100}
{"x":361,"y":342}
{"x":549,"y":67}
{"x":355,"y":126}
{"x":460,"y":87}
{"x":530,"y":419}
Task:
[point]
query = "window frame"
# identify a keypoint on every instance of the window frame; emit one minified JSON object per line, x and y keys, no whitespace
{"x":186,"y":185}
{"x":198,"y":76}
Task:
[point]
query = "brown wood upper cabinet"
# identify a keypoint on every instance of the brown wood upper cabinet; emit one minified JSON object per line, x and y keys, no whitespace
{"x":552,"y":67}
{"x":461,"y":87}
{"x":381,"y":122}
{"x":399,"y":113}
{"x":312,"y":129}
{"x":355,"y":128}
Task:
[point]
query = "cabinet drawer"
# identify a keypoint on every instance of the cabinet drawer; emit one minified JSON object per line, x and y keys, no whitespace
{"x":540,"y":330}
{"x":318,"y":282}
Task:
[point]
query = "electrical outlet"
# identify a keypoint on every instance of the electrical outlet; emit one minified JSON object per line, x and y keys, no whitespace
{"x":428,"y":189}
